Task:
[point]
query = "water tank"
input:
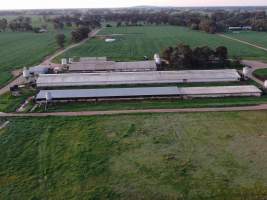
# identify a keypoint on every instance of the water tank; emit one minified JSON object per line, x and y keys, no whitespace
{"x":48,"y":96}
{"x":156,"y":56}
{"x":265,"y":84}
{"x":26,"y":73}
{"x":70,"y":60}
{"x":246,"y":71}
{"x":157,"y":59}
{"x":64,"y":61}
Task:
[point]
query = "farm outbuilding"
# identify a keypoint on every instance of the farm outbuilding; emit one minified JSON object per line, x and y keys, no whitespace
{"x":127,"y":78}
{"x":147,"y":92}
{"x":104,"y":66}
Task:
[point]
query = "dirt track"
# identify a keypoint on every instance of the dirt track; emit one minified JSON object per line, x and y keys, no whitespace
{"x":117,"y":112}
{"x":48,"y":60}
{"x":244,"y":42}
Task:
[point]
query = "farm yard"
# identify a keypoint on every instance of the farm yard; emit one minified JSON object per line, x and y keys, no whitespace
{"x":189,"y":125}
{"x":19,"y":49}
{"x":148,"y":156}
{"x":133,"y":43}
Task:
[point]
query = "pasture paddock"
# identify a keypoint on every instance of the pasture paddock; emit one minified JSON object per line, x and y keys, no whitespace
{"x":146,"y":156}
{"x":133,"y":43}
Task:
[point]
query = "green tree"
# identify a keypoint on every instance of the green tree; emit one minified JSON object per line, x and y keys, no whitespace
{"x":3,"y":24}
{"x":60,"y":38}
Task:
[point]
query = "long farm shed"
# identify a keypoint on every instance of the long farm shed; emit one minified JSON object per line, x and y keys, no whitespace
{"x":145,"y":92}
{"x":128,"y":78}
{"x":100,"y":66}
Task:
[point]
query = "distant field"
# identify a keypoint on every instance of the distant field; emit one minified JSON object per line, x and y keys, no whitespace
{"x":148,"y":156}
{"x":19,"y":49}
{"x":136,"y":42}
{"x":258,"y":38}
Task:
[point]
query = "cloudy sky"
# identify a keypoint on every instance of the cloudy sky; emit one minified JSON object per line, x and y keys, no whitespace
{"x":36,"y":4}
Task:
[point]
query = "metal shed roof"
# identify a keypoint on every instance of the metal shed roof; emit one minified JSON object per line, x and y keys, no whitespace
{"x":109,"y":92}
{"x":219,"y":90}
{"x":148,"y":92}
{"x":120,"y":78}
{"x":99,"y":65}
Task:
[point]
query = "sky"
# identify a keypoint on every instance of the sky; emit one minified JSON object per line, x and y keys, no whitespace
{"x":46,"y":4}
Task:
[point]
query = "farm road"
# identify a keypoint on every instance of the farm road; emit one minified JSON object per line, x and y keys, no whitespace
{"x":47,"y":61}
{"x":244,"y":42}
{"x":118,"y":112}
{"x":254,"y":64}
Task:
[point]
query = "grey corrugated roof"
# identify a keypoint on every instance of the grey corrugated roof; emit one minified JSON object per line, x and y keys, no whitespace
{"x":109,"y":92}
{"x":219,"y":90}
{"x":98,"y":65}
{"x":119,"y":78}
{"x":147,"y":91}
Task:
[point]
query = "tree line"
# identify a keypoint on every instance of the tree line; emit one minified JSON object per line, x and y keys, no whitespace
{"x":18,"y":24}
{"x":184,"y":57}
{"x":217,"y":21}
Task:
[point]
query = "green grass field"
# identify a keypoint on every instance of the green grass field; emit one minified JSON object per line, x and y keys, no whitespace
{"x":261,"y":74}
{"x":258,"y":38}
{"x":9,"y":103}
{"x":149,"y":156}
{"x":136,"y":42}
{"x":19,"y":49}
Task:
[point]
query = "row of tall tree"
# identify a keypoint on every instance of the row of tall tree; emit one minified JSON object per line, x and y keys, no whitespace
{"x":3,"y":24}
{"x":18,"y":24}
{"x":217,"y":21}
{"x":76,"y":20}
{"x":184,"y":57}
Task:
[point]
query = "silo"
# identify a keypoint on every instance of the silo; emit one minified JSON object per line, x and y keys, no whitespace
{"x":26,"y":73}
{"x":64,"y":61}
{"x":246,"y":71}
{"x":265,"y":84}
{"x":70,"y":60}
{"x":157,"y":59}
{"x":48,"y":97}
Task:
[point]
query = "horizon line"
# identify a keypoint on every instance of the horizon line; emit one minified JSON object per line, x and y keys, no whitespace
{"x":123,"y":7}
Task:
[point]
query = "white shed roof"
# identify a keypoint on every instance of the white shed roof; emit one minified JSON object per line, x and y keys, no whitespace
{"x":248,"y":90}
{"x":219,"y":90}
{"x":100,"y":65}
{"x":120,"y":78}
{"x":109,"y":92}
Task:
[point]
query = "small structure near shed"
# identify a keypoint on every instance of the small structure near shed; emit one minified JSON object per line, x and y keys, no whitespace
{"x":15,"y":91}
{"x":33,"y":72}
{"x":240,"y":28}
{"x":110,"y":40}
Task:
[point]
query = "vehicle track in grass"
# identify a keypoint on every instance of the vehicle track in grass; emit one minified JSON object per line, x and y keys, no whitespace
{"x":243,"y":42}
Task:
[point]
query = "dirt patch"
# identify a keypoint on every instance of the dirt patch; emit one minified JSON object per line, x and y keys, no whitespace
{"x":16,"y":73}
